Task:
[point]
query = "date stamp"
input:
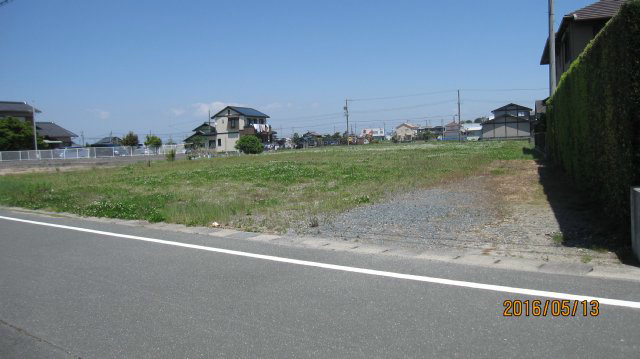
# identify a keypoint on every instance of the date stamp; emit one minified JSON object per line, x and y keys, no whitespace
{"x":554,"y":308}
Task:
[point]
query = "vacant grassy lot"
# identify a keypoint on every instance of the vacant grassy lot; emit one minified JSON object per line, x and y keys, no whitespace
{"x":269,"y":192}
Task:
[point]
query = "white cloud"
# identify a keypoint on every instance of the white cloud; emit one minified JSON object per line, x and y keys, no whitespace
{"x":202,"y":109}
{"x":177,"y":111}
{"x":102,"y":114}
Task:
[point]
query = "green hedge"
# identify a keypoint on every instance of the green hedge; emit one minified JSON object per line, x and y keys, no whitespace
{"x":593,"y":128}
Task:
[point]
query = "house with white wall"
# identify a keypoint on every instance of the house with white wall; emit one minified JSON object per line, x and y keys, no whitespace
{"x":229,"y":124}
{"x":406,"y":132}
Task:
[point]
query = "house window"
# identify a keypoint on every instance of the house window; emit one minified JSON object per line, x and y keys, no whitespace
{"x":212,"y":143}
{"x":233,"y":123}
{"x":219,"y":142}
{"x":262,"y":121}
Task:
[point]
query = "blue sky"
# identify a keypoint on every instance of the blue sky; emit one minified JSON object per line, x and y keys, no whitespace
{"x":158,"y":66}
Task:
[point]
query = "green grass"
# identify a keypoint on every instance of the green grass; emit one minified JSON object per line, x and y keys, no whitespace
{"x":558,"y":238}
{"x":269,"y":192}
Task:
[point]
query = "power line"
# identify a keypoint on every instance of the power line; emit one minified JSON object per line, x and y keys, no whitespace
{"x":402,"y":96}
{"x":503,"y":90}
{"x":404,"y":107}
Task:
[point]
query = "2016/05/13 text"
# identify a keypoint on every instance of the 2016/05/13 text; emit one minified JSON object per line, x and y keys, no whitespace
{"x":555,"y":308}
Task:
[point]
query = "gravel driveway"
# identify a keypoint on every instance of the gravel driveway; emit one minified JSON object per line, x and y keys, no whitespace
{"x":476,"y":212}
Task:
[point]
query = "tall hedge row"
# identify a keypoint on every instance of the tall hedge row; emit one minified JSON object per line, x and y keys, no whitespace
{"x":593,"y":118}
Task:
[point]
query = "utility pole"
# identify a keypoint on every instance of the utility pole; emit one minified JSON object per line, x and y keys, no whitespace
{"x":552,"y":51}
{"x":384,"y":131}
{"x":346,"y":114}
{"x":459,"y":119}
{"x":35,"y":136}
{"x":82,"y":136}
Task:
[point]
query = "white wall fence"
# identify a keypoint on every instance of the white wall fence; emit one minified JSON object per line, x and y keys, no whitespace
{"x":87,"y":152}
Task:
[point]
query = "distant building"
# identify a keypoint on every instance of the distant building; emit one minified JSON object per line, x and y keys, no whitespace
{"x":576,"y":30}
{"x":452,"y":132}
{"x":54,"y":135}
{"x":472,"y":131}
{"x":206,"y":133}
{"x":375,"y":133}
{"x":19,"y":110}
{"x":312,"y":139}
{"x":509,"y":122}
{"x":406,"y":132}
{"x":232,"y":122}
{"x":108,"y":142}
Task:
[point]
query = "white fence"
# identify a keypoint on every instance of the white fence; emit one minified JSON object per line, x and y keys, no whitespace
{"x":87,"y":152}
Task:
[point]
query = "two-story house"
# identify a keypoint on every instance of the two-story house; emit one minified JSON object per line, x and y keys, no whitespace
{"x":229,"y":124}
{"x":576,"y":30}
{"x":19,"y":110}
{"x":509,"y":122}
{"x":406,"y":132}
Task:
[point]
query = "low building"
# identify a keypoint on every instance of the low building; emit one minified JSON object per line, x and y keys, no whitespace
{"x":452,"y":132}
{"x":108,"y":142}
{"x":204,"y":135}
{"x":54,"y":135}
{"x":472,"y":132}
{"x":373,"y":133}
{"x":406,"y":132}
{"x":510,"y":122}
{"x":312,"y":139}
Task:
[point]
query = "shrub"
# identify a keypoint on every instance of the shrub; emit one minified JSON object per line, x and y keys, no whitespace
{"x":249,"y":144}
{"x":593,"y":118}
{"x":153,"y":142}
{"x":171,"y":155}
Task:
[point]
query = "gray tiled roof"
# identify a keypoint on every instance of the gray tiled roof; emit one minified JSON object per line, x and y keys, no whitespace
{"x":12,"y":106}
{"x":52,"y":130}
{"x":512,"y":106}
{"x":245,"y":111}
{"x":601,"y":9}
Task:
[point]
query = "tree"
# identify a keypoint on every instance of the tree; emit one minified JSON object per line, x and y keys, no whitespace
{"x":426,"y":135}
{"x":468,"y":121}
{"x":296,"y":139}
{"x":480,"y":120}
{"x":249,"y":144}
{"x":197,"y":141}
{"x":171,"y":141}
{"x":130,"y":139}
{"x":17,"y":135}
{"x":153,"y":141}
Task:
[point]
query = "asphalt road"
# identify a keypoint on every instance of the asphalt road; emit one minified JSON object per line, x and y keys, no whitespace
{"x":66,"y":293}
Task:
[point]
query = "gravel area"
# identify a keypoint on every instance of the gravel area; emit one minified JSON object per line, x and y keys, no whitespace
{"x":423,"y":218}
{"x":475,"y":213}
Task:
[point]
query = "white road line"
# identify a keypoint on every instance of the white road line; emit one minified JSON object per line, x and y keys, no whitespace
{"x":419,"y":278}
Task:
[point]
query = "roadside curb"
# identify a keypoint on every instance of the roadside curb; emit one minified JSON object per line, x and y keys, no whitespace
{"x":470,"y":257}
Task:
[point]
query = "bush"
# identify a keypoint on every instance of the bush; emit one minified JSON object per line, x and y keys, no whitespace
{"x":171,"y":154}
{"x":593,"y":118}
{"x":153,"y":142}
{"x":249,"y":144}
